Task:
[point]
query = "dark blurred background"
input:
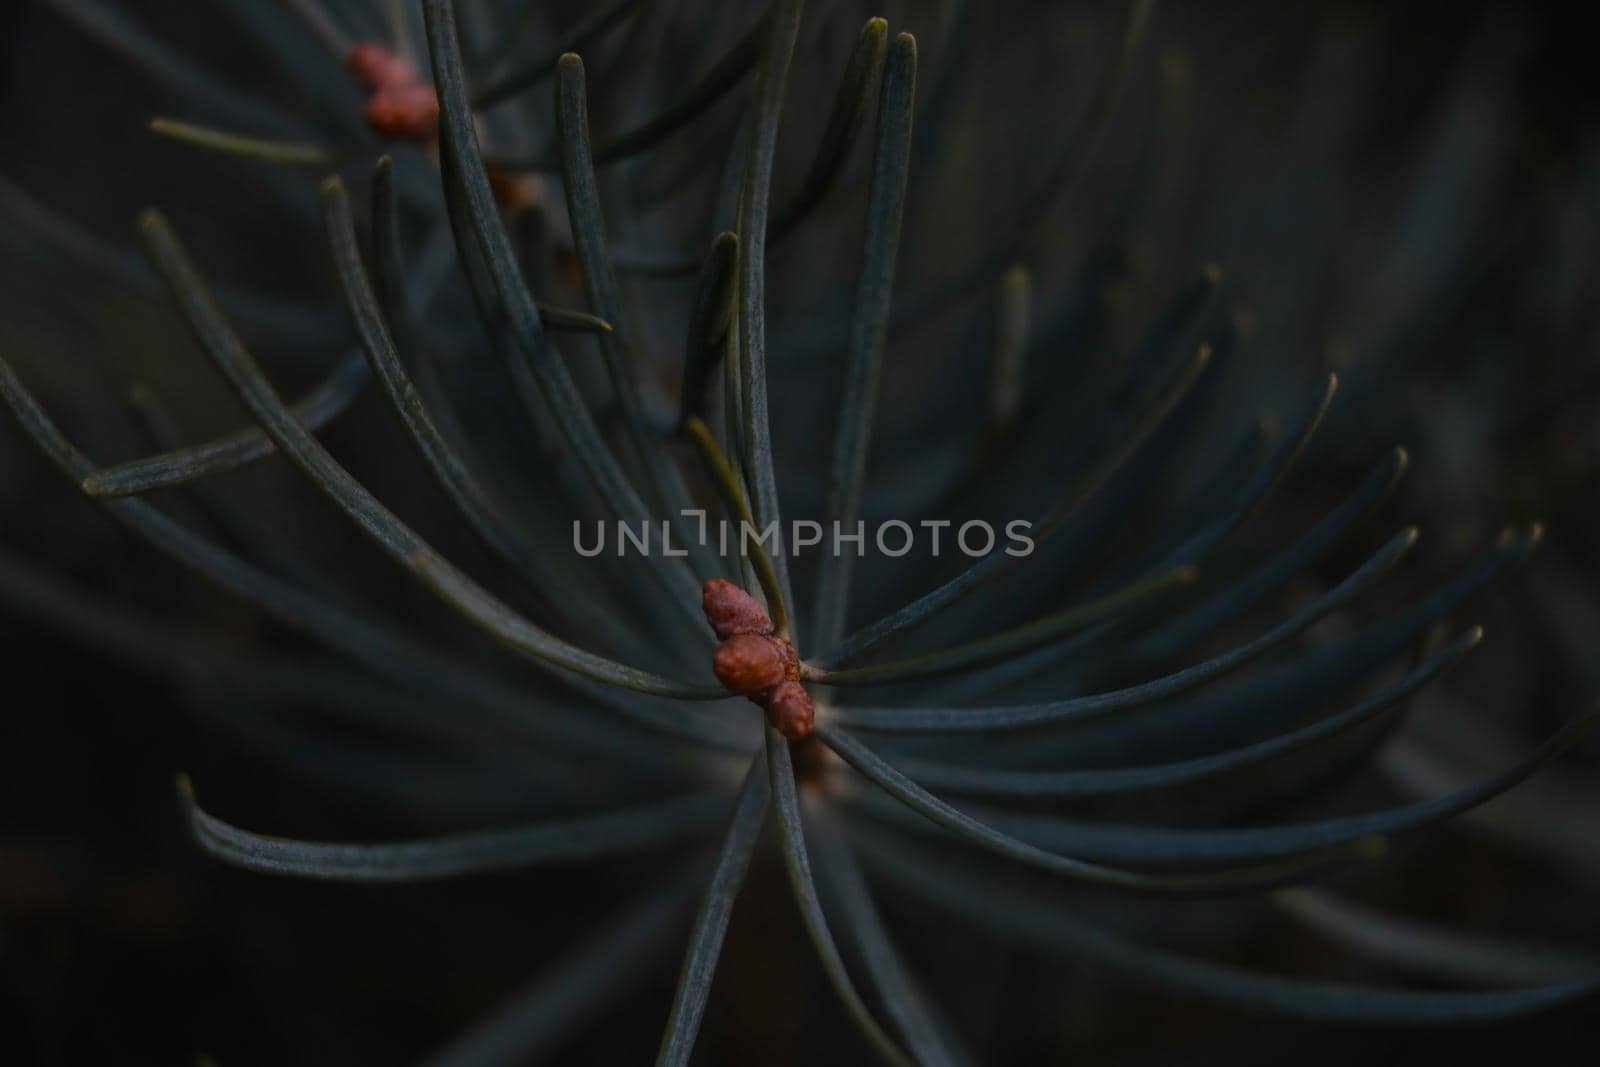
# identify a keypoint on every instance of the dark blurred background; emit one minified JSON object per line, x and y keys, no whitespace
{"x":1405,"y":192}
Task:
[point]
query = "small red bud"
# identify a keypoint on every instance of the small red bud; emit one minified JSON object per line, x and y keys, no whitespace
{"x":408,"y":113}
{"x":378,"y":69}
{"x":400,"y":104}
{"x":790,"y":710}
{"x":746,"y":663}
{"x":730,"y":610}
{"x":515,"y":192}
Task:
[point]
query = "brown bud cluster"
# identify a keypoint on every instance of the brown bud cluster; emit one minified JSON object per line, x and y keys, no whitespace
{"x":754,"y":663}
{"x":399,"y":103}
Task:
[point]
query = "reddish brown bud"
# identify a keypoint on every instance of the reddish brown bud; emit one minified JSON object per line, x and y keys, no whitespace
{"x":752,"y":662}
{"x":746,"y":663}
{"x":400,"y":104}
{"x":378,"y":69}
{"x":730,"y":610}
{"x":790,"y":710}
{"x":406,"y":113}
{"x":515,"y":192}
